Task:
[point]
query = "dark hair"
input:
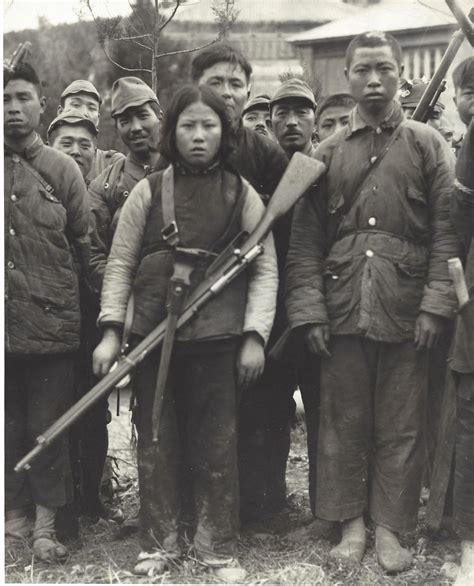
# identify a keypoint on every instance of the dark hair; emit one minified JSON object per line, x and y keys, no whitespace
{"x":54,"y":132}
{"x":25,"y":72}
{"x":184,"y":97}
{"x":218,"y":53}
{"x":335,"y":101}
{"x":374,"y":39}
{"x":153,"y":105}
{"x":463,"y":75}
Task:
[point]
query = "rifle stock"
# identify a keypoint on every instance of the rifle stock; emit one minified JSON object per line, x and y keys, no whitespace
{"x":300,"y":174}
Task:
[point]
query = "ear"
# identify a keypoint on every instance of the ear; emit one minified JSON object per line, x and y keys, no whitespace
{"x":249,"y":90}
{"x":42,"y":104}
{"x":455,"y":101}
{"x":59,"y":110}
{"x":402,"y":69}
{"x":346,"y":73}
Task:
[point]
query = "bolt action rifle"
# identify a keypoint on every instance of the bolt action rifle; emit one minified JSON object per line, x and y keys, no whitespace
{"x":437,"y":83}
{"x":301,"y":173}
{"x":19,"y":55}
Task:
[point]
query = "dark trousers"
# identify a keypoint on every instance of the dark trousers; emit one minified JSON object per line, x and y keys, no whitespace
{"x":38,"y":390}
{"x":464,"y":467}
{"x":196,"y":452}
{"x":370,"y":453}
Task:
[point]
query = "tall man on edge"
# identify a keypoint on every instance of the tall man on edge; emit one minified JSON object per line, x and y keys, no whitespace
{"x":368,"y":286}
{"x":262,"y":163}
{"x":46,"y":214}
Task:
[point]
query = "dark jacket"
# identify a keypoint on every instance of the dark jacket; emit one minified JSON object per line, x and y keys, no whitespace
{"x":46,"y":214}
{"x":103,"y":160}
{"x":108,"y":192}
{"x":462,"y":216}
{"x":370,"y":268}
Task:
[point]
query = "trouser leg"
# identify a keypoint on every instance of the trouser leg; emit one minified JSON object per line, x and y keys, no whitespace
{"x":345,"y":428}
{"x":464,"y":467}
{"x":399,"y":419}
{"x":46,"y":383}
{"x":17,"y":492}
{"x":210,"y":392}
{"x":308,"y":379}
{"x":158,"y":464}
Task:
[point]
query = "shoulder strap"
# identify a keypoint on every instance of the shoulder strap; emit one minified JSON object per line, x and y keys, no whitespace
{"x":170,"y":231}
{"x":44,"y":184}
{"x":375,"y":162}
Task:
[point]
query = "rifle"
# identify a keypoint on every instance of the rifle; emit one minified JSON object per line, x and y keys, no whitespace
{"x":19,"y":55}
{"x":301,"y":173}
{"x":433,"y":90}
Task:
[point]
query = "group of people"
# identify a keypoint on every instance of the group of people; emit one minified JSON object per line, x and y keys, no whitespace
{"x":347,"y":302}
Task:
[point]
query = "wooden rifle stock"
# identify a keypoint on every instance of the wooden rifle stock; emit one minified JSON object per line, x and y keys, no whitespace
{"x":300,"y":174}
{"x":421,"y":112}
{"x":19,"y":55}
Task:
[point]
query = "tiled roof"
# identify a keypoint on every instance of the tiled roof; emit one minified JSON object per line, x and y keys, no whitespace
{"x":387,"y":16}
{"x":313,"y":11}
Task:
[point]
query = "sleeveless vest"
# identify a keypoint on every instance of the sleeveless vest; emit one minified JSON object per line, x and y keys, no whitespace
{"x":208,"y":211}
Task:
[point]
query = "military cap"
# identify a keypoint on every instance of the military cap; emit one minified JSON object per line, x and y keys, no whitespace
{"x":81,"y":86}
{"x":463,"y":75}
{"x":412,"y":92}
{"x":294,"y":88}
{"x":260,"y":102}
{"x":130,"y":92}
{"x":73,"y":118}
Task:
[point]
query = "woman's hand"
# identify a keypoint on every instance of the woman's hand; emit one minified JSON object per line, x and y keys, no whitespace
{"x":106,"y":352}
{"x":251,"y":360}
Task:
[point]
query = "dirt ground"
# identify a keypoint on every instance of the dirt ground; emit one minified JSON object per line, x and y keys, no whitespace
{"x":105,"y":554}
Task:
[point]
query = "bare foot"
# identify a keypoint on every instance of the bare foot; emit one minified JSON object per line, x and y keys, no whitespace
{"x":390,"y":554}
{"x":352,"y":545}
{"x":466,"y":572}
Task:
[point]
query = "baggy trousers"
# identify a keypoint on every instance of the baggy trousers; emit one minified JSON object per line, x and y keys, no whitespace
{"x":197,"y":445}
{"x":371,"y":452}
{"x":38,"y":390}
{"x":464,"y":467}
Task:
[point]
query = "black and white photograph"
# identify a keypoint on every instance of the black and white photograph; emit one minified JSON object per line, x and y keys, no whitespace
{"x":239,"y":292}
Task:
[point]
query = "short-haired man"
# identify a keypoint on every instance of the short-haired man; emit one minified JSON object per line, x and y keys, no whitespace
{"x":81,"y":95}
{"x":137,"y":114}
{"x":262,"y":162}
{"x":368,"y":287}
{"x":256,"y":115}
{"x":75,"y":135}
{"x":463,"y":80}
{"x":292,"y":113}
{"x":333,"y":114}
{"x":46,"y":215}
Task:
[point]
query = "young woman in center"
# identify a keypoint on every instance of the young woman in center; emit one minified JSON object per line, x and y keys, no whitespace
{"x":220,"y":352}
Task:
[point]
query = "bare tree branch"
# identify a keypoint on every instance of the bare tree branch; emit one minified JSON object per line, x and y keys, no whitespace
{"x":147,"y":35}
{"x":187,"y":50}
{"x":142,"y":70}
{"x":170,"y":18}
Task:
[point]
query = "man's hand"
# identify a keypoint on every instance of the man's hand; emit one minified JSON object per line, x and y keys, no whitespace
{"x":251,"y":360}
{"x":106,"y":352}
{"x":317,"y":339}
{"x":428,"y":330}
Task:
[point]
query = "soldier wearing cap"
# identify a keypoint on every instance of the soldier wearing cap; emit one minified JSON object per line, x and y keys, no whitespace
{"x":256,"y":115}
{"x":292,"y":111}
{"x":75,"y":135}
{"x":137,"y":113}
{"x":82,"y":96}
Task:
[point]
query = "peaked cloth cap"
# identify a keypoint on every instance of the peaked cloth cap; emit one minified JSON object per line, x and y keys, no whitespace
{"x":81,"y":86}
{"x":411,"y":94}
{"x":130,"y":92}
{"x":260,"y":102}
{"x":294,"y":88}
{"x":73,"y":118}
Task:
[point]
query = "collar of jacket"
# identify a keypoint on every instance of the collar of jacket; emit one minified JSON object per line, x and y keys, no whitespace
{"x":30,"y":151}
{"x":135,"y":169}
{"x":183,"y":169}
{"x":356,"y":122}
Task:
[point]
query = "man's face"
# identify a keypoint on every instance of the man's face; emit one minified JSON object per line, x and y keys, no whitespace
{"x":230,"y":83}
{"x":259,"y":120}
{"x":140,"y":128}
{"x":331,"y":120}
{"x":84,"y":103}
{"x":293,"y":124}
{"x":373,"y":77}
{"x":465,"y":102}
{"x":77,"y":142}
{"x":22,"y":109}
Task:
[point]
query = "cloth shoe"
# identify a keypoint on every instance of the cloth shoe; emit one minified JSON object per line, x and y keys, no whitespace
{"x":17,"y":525}
{"x":46,"y":547}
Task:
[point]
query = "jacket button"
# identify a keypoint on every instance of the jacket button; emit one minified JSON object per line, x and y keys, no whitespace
{"x":13,"y":197}
{"x":372,"y":221}
{"x":12,"y":232}
{"x":125,"y":193}
{"x":369,"y":253}
{"x":378,"y":130}
{"x":11,"y":264}
{"x":15,"y":158}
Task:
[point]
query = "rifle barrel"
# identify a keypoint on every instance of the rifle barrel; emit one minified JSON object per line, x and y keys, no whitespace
{"x":464,"y":21}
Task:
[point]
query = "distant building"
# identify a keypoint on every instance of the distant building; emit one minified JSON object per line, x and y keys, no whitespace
{"x":261,"y":31}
